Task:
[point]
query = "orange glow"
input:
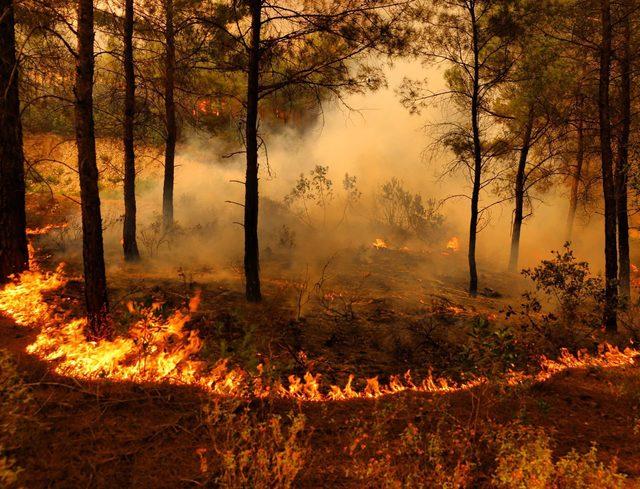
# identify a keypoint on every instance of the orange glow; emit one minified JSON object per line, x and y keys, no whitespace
{"x":165,"y":350}
{"x":380,"y":244}
{"x":453,"y":244}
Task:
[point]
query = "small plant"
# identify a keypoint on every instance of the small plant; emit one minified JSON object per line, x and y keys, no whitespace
{"x":407,"y":213}
{"x":567,"y":281}
{"x":568,"y":313}
{"x":246,"y":451}
{"x":578,"y":471}
{"x":286,"y":238}
{"x":15,"y":402}
{"x":314,"y":194}
{"x":524,"y":459}
{"x":490,"y":351}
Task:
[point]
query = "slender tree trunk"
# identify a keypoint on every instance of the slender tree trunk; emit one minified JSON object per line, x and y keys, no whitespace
{"x":14,"y":255}
{"x":575,"y":185}
{"x":251,"y":246}
{"x":622,"y":164}
{"x":170,"y":116}
{"x":129,"y":242}
{"x":611,"y":255}
{"x":92,"y":248}
{"x":518,"y":215}
{"x":477,"y":159}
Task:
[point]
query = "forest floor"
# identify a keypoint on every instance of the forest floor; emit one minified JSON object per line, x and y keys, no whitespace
{"x":116,"y":435}
{"x":368,"y":313}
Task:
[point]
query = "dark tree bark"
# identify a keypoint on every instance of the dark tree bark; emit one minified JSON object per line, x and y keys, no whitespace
{"x":577,"y":178}
{"x":477,"y":158}
{"x":518,"y":215}
{"x":251,"y":245}
{"x":92,"y":248}
{"x":170,"y":116}
{"x":129,"y":241}
{"x":14,"y":255}
{"x":622,"y":163}
{"x":608,"y":184}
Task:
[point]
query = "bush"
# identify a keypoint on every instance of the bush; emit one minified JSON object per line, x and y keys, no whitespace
{"x":14,"y":406}
{"x":524,"y":461}
{"x":568,"y":313}
{"x":250,"y":452}
{"x":407,"y":213}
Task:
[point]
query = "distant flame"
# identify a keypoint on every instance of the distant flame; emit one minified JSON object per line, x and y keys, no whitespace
{"x":453,"y":244}
{"x":380,"y":244}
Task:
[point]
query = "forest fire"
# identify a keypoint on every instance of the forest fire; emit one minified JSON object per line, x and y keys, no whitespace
{"x":158,"y":350}
{"x":380,"y":244}
{"x":453,"y":244}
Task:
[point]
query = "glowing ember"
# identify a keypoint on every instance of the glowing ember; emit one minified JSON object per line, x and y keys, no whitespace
{"x":45,"y":229}
{"x":380,"y":244}
{"x":453,"y":244}
{"x":159,"y":349}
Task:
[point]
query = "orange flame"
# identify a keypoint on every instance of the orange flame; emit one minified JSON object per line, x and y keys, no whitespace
{"x":380,"y":244}
{"x":453,"y":244}
{"x":160,"y":349}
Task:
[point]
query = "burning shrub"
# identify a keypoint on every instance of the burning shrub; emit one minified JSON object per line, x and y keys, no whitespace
{"x":249,"y":452}
{"x":407,"y":214}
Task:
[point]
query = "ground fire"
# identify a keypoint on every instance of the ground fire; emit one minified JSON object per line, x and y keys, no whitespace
{"x":337,"y":243}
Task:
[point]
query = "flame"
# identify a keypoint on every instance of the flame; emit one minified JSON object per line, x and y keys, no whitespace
{"x":164,"y":350}
{"x":453,"y":244}
{"x":380,"y":244}
{"x":45,"y":229}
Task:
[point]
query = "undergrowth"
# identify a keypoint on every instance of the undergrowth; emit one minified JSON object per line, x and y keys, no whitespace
{"x":15,"y":402}
{"x":438,"y":451}
{"x":247,"y":450}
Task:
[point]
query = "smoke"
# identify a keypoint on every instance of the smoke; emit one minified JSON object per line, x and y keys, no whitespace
{"x":374,"y":139}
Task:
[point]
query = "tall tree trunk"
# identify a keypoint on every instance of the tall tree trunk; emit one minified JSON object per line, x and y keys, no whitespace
{"x":622,"y":163}
{"x":608,"y":184}
{"x":170,"y":116}
{"x":577,"y":178}
{"x":129,"y":241}
{"x":92,"y":248}
{"x":251,"y":246}
{"x":477,"y":159}
{"x":518,"y":215}
{"x":14,"y":255}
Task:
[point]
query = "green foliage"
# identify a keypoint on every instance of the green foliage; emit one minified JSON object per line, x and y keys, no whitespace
{"x":524,"y":461}
{"x":491,"y":350}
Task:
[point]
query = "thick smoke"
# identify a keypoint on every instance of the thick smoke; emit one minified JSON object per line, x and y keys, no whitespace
{"x":374,"y":139}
